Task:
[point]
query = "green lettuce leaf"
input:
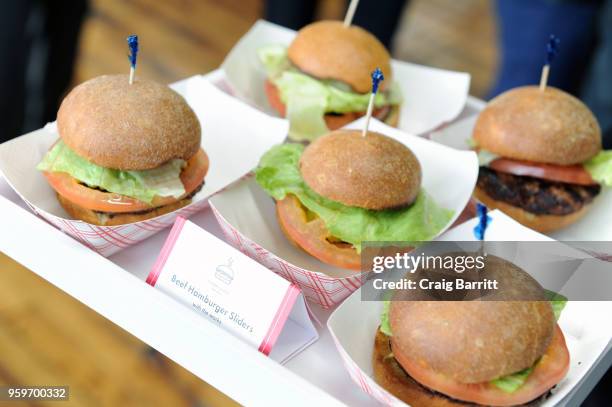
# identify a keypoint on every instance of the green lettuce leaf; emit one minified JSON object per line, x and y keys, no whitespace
{"x":308,"y":99}
{"x":509,"y":383}
{"x":305,"y":99}
{"x":385,"y":326}
{"x":278,"y":173}
{"x":485,"y":157}
{"x":471,"y":143}
{"x":600,"y":167}
{"x":557,"y":301}
{"x":274,"y":59}
{"x":512,"y":382}
{"x":142,"y":185}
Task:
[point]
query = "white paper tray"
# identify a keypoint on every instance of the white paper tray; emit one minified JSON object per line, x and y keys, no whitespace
{"x":115,"y":288}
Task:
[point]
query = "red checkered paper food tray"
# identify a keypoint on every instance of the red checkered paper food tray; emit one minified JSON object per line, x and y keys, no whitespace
{"x":245,"y":140}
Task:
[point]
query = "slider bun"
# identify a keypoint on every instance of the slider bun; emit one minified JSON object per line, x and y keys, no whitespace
{"x":329,"y":50}
{"x":477,"y":341}
{"x":128,"y":127}
{"x":373,"y":172}
{"x":90,"y":216}
{"x":549,"y":126}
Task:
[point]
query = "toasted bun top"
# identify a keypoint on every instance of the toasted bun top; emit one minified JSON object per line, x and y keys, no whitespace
{"x":128,"y":127}
{"x":475,"y":341}
{"x":372,"y":172}
{"x":548,"y":126}
{"x":329,"y":50}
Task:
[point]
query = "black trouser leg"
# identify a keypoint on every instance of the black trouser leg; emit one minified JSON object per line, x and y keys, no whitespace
{"x":380,"y":17}
{"x":14,"y":50}
{"x":293,"y":14}
{"x":63,"y":26}
{"x":597,"y":92}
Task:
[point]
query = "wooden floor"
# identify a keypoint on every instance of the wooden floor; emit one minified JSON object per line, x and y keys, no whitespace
{"x":46,"y":337}
{"x":49,"y":338}
{"x":184,"y":37}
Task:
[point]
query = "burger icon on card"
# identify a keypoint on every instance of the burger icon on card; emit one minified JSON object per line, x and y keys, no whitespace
{"x":224,"y":272}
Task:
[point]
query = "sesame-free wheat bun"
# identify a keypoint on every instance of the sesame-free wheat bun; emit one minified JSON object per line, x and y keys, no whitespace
{"x":128,"y":127}
{"x":127,"y":152}
{"x":443,"y":352}
{"x":540,"y":139}
{"x":472,"y":341}
{"x":543,"y":126}
{"x":373,"y":172}
{"x":329,"y":50}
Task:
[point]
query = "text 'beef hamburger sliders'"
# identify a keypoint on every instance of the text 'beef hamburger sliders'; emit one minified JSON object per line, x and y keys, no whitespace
{"x":349,"y":187}
{"x":320,"y":82}
{"x":493,"y":351}
{"x":127,"y":151}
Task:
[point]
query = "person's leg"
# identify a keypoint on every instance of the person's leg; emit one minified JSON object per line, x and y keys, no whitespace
{"x":14,"y":50}
{"x":597,"y":92}
{"x":523,"y":29}
{"x":63,"y":26}
{"x":293,"y":14}
{"x":380,"y":17}
{"x":602,"y":393}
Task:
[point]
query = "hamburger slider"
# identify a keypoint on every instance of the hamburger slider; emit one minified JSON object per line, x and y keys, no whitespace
{"x":321,"y":81}
{"x":496,"y":351}
{"x":126,"y":153}
{"x":541,"y":157}
{"x":345,"y":189}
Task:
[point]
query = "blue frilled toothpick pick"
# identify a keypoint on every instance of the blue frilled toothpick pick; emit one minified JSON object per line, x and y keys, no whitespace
{"x":483,"y":223}
{"x":377,"y":77}
{"x":552,"y":49}
{"x":132,"y":41}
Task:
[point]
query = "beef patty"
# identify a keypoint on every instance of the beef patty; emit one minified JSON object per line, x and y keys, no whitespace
{"x":535,"y":195}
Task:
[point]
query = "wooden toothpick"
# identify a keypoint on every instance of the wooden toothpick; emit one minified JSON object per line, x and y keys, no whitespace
{"x":552,"y":49}
{"x":132,"y":41}
{"x":544,"y":76}
{"x":377,"y":77}
{"x":350,"y":13}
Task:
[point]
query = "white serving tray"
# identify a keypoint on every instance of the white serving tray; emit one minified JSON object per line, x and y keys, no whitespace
{"x":115,"y":288}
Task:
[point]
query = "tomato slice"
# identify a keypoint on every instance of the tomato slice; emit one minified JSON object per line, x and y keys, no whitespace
{"x":310,"y":234}
{"x":572,"y":174}
{"x":333,"y":121}
{"x":94,"y":199}
{"x":549,"y":371}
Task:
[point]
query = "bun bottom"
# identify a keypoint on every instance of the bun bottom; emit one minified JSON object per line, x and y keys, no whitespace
{"x":392,"y":118}
{"x":93,"y":217}
{"x":540,"y":223}
{"x":389,"y":374}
